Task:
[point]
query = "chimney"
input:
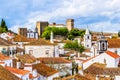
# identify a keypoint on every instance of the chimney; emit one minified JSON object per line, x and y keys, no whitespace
{"x":18,"y":64}
{"x":51,"y":37}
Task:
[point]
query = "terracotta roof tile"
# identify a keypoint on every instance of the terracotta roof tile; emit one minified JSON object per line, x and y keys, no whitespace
{"x":17,"y":71}
{"x":44,"y":70}
{"x":4,"y":57}
{"x":55,"y":60}
{"x":100,"y":69}
{"x":41,"y":42}
{"x":5,"y":42}
{"x":7,"y":75}
{"x":113,"y":43}
{"x":20,"y":38}
{"x":114,"y":55}
{"x":26,"y":58}
{"x":80,"y":77}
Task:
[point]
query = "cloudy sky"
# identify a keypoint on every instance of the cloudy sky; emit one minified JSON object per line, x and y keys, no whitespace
{"x":96,"y":14}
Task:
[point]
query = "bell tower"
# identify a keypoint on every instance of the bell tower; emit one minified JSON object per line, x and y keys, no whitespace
{"x":87,"y":39}
{"x":102,"y":44}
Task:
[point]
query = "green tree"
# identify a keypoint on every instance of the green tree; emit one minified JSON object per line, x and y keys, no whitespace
{"x":119,"y":33}
{"x":55,"y":30}
{"x":3,"y":26}
{"x":74,"y":46}
{"x":75,"y":32}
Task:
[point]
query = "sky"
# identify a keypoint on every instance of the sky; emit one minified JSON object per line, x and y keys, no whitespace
{"x":97,"y":15}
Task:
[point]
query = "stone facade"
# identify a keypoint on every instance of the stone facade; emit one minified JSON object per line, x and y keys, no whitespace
{"x":41,"y":26}
{"x":70,"y":24}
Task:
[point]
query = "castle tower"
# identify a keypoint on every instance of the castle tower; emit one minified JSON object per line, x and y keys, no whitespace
{"x":22,"y":31}
{"x":102,"y":44}
{"x":70,"y":24}
{"x":41,"y":26}
{"x":87,"y":39}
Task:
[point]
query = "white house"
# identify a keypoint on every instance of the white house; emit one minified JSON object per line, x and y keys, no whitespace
{"x":32,"y":34}
{"x":7,"y":47}
{"x":109,"y":58}
{"x":58,"y":63}
{"x":7,"y":36}
{"x":5,"y":60}
{"x":22,"y":74}
{"x":42,"y":48}
{"x":46,"y":72}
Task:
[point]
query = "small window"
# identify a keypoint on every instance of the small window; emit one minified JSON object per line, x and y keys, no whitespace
{"x":87,"y":45}
{"x":88,"y":37}
{"x":47,"y":51}
{"x":30,"y":51}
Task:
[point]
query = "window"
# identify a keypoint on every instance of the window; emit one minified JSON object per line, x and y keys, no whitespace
{"x":30,"y":51}
{"x":87,"y":45}
{"x":88,"y":37}
{"x":47,"y":52}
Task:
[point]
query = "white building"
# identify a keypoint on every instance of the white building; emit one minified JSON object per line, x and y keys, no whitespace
{"x":7,"y":36}
{"x":5,"y":60}
{"x":109,"y":58}
{"x":46,"y":72}
{"x":42,"y":48}
{"x":87,"y":39}
{"x":22,"y":74}
{"x":32,"y":34}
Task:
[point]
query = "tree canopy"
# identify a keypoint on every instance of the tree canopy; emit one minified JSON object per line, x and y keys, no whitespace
{"x":75,"y":32}
{"x":119,"y":33}
{"x":55,"y":30}
{"x":3,"y":26}
{"x":74,"y":46}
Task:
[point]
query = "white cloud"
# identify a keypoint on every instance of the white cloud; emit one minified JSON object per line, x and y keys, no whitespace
{"x":78,"y":8}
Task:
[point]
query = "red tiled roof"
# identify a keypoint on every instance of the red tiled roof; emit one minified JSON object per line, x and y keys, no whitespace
{"x":26,"y":58}
{"x":17,"y":71}
{"x":7,"y":75}
{"x":114,"y":55}
{"x":41,"y":42}
{"x":44,"y":70}
{"x":55,"y":60}
{"x":113,"y":43}
{"x":4,"y":57}
{"x":90,"y":59}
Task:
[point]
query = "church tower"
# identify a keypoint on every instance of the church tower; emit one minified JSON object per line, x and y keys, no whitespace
{"x":87,"y":39}
{"x":102,"y":44}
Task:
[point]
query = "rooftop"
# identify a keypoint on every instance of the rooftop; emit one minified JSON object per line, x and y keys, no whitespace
{"x":26,"y":58}
{"x":4,"y":42}
{"x":41,"y":42}
{"x":44,"y":70}
{"x":7,"y":75}
{"x":113,"y":43}
{"x":114,"y":55}
{"x":100,"y":69}
{"x":55,"y":60}
{"x":4,"y":57}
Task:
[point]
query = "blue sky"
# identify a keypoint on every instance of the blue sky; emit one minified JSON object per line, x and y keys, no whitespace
{"x":96,"y":14}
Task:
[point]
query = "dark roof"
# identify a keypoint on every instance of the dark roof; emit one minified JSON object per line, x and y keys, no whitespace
{"x":7,"y":75}
{"x":44,"y":69}
{"x":4,"y":42}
